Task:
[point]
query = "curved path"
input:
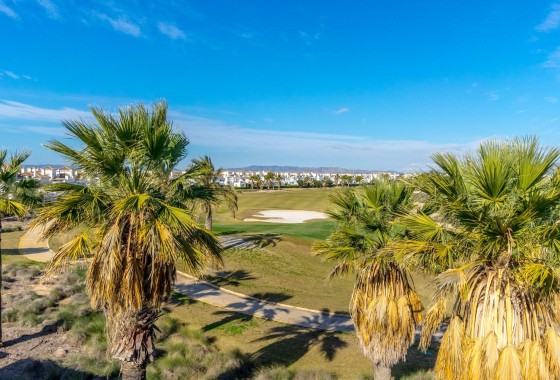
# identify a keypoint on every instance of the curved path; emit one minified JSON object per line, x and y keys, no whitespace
{"x":34,"y":248}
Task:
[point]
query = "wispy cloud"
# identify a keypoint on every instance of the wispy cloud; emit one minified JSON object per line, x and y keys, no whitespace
{"x":492,"y":96}
{"x":552,"y":20}
{"x":8,"y":11}
{"x":121,"y":24}
{"x":341,"y":110}
{"x":553,"y":60}
{"x":12,"y":75}
{"x":20,"y":111}
{"x":551,"y":99}
{"x":50,"y":8}
{"x":298,"y":148}
{"x":172,"y":31}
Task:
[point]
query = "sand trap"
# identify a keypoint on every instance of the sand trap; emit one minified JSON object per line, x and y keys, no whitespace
{"x":286,"y":216}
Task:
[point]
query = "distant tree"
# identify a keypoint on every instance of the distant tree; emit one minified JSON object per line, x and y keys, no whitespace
{"x":326,"y":182}
{"x":268,"y":178}
{"x":16,"y":197}
{"x":337,"y":179}
{"x":208,"y":193}
{"x":278,"y":180}
{"x":255,"y":178}
{"x":358,"y":179}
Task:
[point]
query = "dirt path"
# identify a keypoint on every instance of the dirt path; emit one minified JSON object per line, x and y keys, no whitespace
{"x":36,"y":249}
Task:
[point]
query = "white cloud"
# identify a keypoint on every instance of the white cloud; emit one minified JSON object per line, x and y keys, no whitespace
{"x":122,"y":24}
{"x":10,"y":74}
{"x":492,"y":96}
{"x":341,"y":110}
{"x":233,"y":144}
{"x":8,"y":11}
{"x":20,"y":111}
{"x":553,"y":60}
{"x":50,"y":8}
{"x":551,"y":99}
{"x":552,"y":20}
{"x":171,"y":31}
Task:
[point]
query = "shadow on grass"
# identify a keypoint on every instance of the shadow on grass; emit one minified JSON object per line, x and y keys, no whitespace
{"x":291,"y":342}
{"x":416,"y":361}
{"x":42,"y":370}
{"x":229,"y":277}
{"x":247,"y":310}
{"x":263,"y":240}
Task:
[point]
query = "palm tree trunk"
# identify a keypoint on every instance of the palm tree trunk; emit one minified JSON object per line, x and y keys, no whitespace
{"x":381,"y":373}
{"x":208,"y":222}
{"x":133,"y":371}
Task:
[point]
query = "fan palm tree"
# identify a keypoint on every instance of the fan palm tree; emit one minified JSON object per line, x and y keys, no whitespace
{"x":207,"y":191}
{"x":489,"y":226}
{"x":268,"y":178}
{"x":278,"y":179}
{"x":255,"y":181}
{"x":384,"y":307}
{"x":16,"y":197}
{"x":137,"y":228}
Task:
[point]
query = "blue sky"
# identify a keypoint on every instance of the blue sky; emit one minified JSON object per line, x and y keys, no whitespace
{"x":356,"y":84}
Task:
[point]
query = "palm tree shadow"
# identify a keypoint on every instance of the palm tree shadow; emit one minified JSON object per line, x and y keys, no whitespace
{"x":31,"y":369}
{"x":232,"y":278}
{"x":291,"y":342}
{"x":46,"y":330}
{"x":263,"y":240}
{"x":246,"y":310}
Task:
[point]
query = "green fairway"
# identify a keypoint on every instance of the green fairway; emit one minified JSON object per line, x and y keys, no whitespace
{"x":285,"y":199}
{"x":309,"y":230}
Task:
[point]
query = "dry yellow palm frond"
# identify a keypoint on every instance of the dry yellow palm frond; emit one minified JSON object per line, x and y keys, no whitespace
{"x":450,"y":358}
{"x":551,"y":343}
{"x":384,"y":311}
{"x":533,"y":361}
{"x":473,"y":358}
{"x":432,"y":321}
{"x":509,"y":365}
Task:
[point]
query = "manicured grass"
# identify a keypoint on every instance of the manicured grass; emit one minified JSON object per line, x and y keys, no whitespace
{"x":309,"y":230}
{"x":10,"y":252}
{"x":286,"y":199}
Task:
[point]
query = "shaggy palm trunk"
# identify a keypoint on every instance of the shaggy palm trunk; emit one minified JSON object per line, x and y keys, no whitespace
{"x":381,"y":373}
{"x":133,"y":371}
{"x":208,"y":222}
{"x":132,"y":336}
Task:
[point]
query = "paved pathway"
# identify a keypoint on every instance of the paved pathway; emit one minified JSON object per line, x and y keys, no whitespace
{"x":36,"y":249}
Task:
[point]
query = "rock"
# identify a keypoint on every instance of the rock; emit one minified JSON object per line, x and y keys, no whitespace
{"x":61,"y":352}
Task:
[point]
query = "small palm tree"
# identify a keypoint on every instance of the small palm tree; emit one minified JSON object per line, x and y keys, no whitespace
{"x":384,"y":307}
{"x":268,"y":178}
{"x":489,"y":226}
{"x":137,"y":228}
{"x":16,"y":197}
{"x":255,"y":181}
{"x":207,"y":191}
{"x":278,"y":179}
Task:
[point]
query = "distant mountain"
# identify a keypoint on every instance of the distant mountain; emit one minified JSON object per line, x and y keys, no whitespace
{"x":300,"y":169}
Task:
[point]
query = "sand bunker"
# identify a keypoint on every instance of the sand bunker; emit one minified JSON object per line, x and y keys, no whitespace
{"x":286,"y":216}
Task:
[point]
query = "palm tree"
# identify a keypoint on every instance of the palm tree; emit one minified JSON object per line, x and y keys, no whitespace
{"x":137,"y":228}
{"x":278,"y":180}
{"x":16,"y":197}
{"x":384,"y":307}
{"x":207,"y":191}
{"x":255,"y":180}
{"x":489,"y":226}
{"x":268,"y":178}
